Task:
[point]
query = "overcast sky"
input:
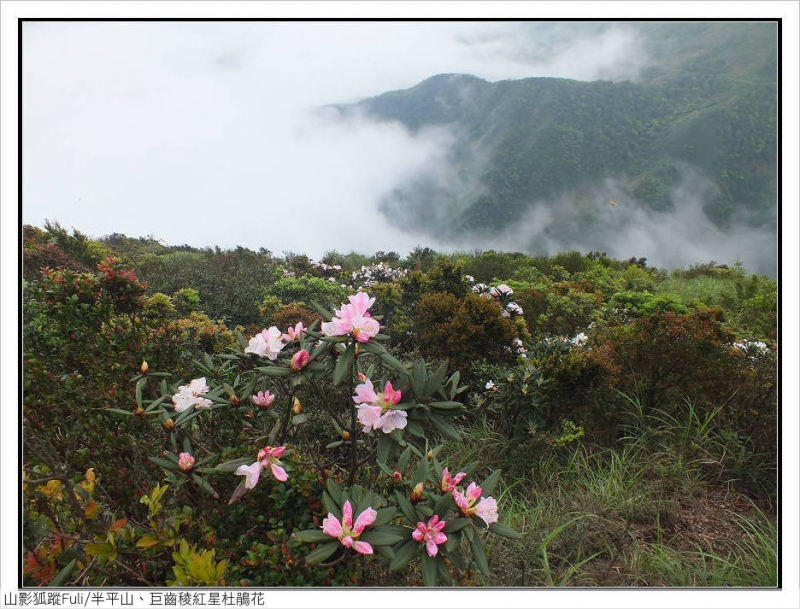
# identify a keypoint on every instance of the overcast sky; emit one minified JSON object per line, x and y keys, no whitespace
{"x":208,"y":133}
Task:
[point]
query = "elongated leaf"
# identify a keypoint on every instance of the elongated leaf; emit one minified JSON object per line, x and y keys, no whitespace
{"x":403,"y":554}
{"x":384,"y":516}
{"x":421,"y":472}
{"x":274,"y":371}
{"x":139,"y":387}
{"x":455,"y":557}
{"x":479,"y":555}
{"x":402,"y":460}
{"x":443,"y":505}
{"x":205,"y":486}
{"x":444,"y":574}
{"x":312,"y":536}
{"x":419,"y":374}
{"x":384,"y":448}
{"x":504,"y":531}
{"x":407,"y":508}
{"x":238,"y":493}
{"x":335,"y":444}
{"x":334,"y":490}
{"x":343,"y":364}
{"x":447,"y":406}
{"x":146,"y":542}
{"x":322,"y":552}
{"x":383,"y":536}
{"x":63,"y":575}
{"x":415,"y":429}
{"x":452,"y":385}
{"x":430,"y":573}
{"x":127,"y":413}
{"x":163,"y":462}
{"x":443,"y":427}
{"x":435,"y":380}
{"x":490,"y":483}
{"x":232,"y":466}
{"x":456,"y":524}
{"x":385,"y":551}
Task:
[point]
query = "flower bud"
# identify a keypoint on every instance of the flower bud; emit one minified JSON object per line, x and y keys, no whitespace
{"x":429,"y":456}
{"x":234,"y":400}
{"x":185,"y":462}
{"x":139,"y":411}
{"x":144,"y":367}
{"x":416,"y":494}
{"x":299,"y":360}
{"x":169,"y":424}
{"x":345,"y":434}
{"x":397,"y":477}
{"x":297,"y":407}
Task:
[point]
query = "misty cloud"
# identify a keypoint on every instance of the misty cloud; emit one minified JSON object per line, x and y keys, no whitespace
{"x":586,"y":221}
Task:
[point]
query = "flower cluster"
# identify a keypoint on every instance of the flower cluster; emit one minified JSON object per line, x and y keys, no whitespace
{"x":353,"y":319}
{"x":266,"y":344}
{"x":185,"y":462}
{"x":502,"y":293}
{"x":263,"y":399}
{"x":346,"y":531}
{"x":430,"y":534}
{"x":267,"y":457}
{"x":753,"y":348}
{"x":376,"y":273}
{"x":375,"y":409}
{"x":486,"y":508}
{"x":191,"y":395}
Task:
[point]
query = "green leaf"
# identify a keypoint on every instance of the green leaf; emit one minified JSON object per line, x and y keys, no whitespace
{"x":504,"y":531}
{"x":385,"y":535}
{"x":419,"y":374}
{"x":127,"y":413}
{"x":384,"y":447}
{"x":342,"y":367}
{"x":139,"y":387}
{"x":384,"y":516}
{"x":402,"y":461}
{"x":205,"y":486}
{"x":312,"y":536}
{"x":443,"y":427}
{"x":163,"y":463}
{"x":298,"y":419}
{"x":443,"y":505}
{"x":430,"y":573}
{"x":452,"y":385}
{"x":456,"y":525}
{"x":450,"y":406}
{"x":403,"y":554}
{"x":421,"y":472}
{"x":407,"y":508}
{"x":335,"y":491}
{"x":238,"y":493}
{"x":435,"y":380}
{"x":415,"y":429}
{"x":232,"y":466}
{"x":274,"y":371}
{"x":488,"y":485}
{"x":479,"y":555}
{"x":322,"y":552}
{"x":63,"y":575}
{"x":335,"y":444}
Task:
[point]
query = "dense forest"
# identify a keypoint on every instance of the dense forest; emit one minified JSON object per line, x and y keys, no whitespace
{"x":570,"y":419}
{"x":706,"y":105}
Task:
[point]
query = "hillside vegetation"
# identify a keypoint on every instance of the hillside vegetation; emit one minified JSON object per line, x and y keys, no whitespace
{"x":558,"y":420}
{"x":706,"y":104}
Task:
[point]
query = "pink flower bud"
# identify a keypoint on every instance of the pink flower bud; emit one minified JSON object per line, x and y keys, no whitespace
{"x":185,"y":462}
{"x":299,"y":360}
{"x":397,"y":477}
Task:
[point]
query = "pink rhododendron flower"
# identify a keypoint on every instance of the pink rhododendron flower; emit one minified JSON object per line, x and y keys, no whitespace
{"x":267,"y":457}
{"x":191,"y":395}
{"x":251,"y":473}
{"x":375,"y":410}
{"x":299,"y":360}
{"x":485,"y":509}
{"x":354,"y":319}
{"x":294,"y":333}
{"x":431,"y":534}
{"x":263,"y":398}
{"x":185,"y":461}
{"x":266,"y":344}
{"x":450,"y":482}
{"x":346,"y":531}
{"x":370,"y":417}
